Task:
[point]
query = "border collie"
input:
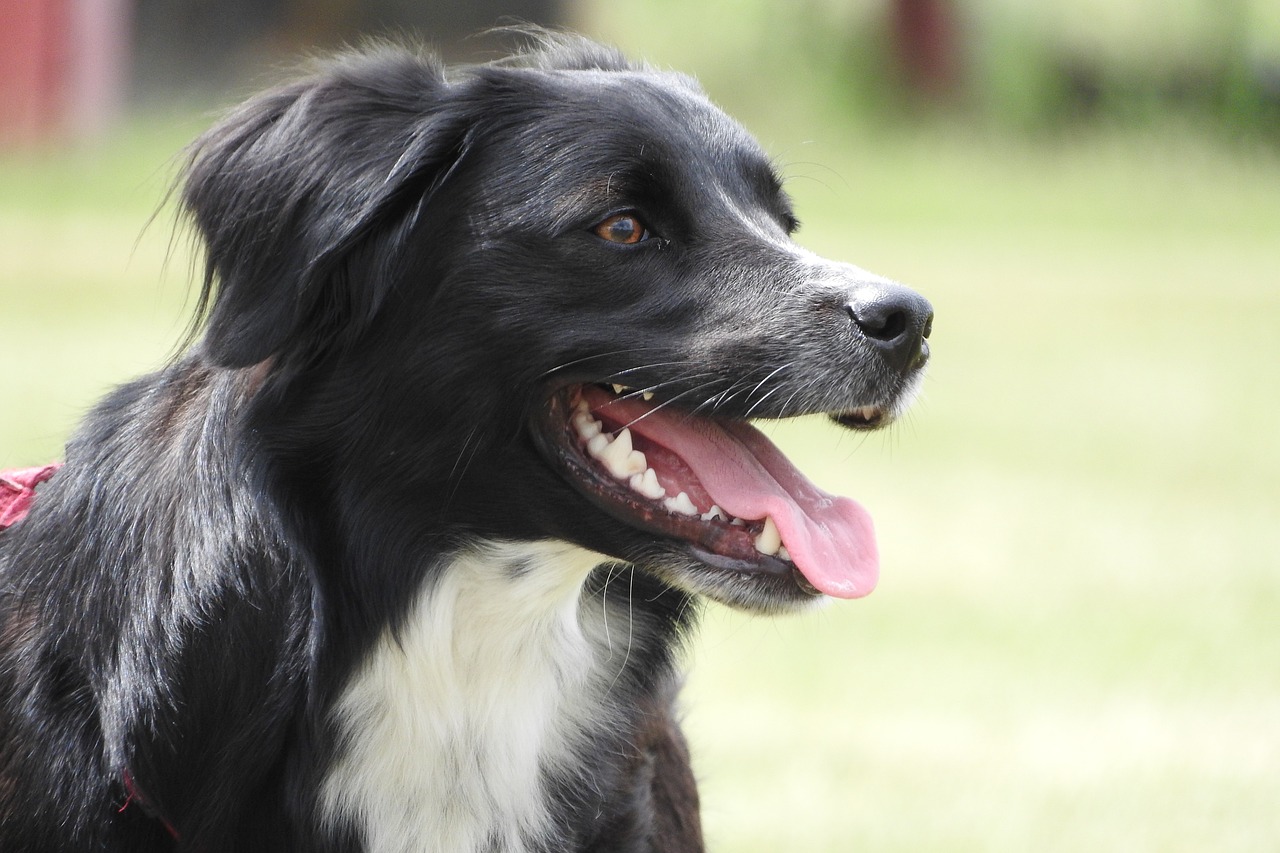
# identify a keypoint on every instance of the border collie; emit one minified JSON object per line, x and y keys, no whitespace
{"x":397,"y":556}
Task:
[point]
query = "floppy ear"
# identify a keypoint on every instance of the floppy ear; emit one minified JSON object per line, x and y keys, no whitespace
{"x":293,"y":182}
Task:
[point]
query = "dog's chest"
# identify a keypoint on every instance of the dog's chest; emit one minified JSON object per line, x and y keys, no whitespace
{"x":448,"y":733}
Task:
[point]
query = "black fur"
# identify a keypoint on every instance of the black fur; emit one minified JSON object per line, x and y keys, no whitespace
{"x":401,"y":272}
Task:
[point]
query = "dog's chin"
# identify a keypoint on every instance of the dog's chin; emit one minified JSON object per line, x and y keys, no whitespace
{"x":767,"y":585}
{"x":674,"y":480}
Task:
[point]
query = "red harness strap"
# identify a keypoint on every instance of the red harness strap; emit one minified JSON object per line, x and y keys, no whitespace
{"x":18,"y":490}
{"x":131,"y":788}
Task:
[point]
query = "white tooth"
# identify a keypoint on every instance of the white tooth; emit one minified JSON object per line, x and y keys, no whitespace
{"x":769,"y":540}
{"x":621,"y":460}
{"x":587,"y":426}
{"x":647,"y":484}
{"x":636,"y":463}
{"x":618,"y":389}
{"x":737,"y":522}
{"x":681,"y":504}
{"x":622,"y":443}
{"x":715,"y":513}
{"x":648,"y":395}
{"x":783,"y":553}
{"x":582,"y":407}
{"x":598,"y":443}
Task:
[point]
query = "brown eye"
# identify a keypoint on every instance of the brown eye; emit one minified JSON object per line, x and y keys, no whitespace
{"x":624,"y":228}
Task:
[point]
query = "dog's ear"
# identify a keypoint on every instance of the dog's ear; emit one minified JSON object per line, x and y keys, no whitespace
{"x":295,"y":182}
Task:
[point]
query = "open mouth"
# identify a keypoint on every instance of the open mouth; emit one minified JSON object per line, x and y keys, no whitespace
{"x":717,"y":486}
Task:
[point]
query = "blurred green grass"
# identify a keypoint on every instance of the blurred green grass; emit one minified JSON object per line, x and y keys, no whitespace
{"x":1075,"y":645}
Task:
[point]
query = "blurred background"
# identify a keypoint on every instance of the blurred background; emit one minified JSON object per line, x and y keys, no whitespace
{"x":1076,"y":641}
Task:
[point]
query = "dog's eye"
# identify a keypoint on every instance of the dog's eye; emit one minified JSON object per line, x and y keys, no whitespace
{"x":624,"y":228}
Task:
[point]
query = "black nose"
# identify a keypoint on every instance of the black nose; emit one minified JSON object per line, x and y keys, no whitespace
{"x":894,"y":319}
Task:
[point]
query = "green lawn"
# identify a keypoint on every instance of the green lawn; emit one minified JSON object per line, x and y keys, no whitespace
{"x":1076,"y":641}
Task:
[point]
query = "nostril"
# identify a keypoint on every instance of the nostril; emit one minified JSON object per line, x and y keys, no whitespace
{"x":878,"y":321}
{"x":893,"y":319}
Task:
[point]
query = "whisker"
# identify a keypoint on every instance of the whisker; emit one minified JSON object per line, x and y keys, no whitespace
{"x":470,"y":447}
{"x":631,"y":627}
{"x":790,"y":403}
{"x":625,"y":371}
{"x":593,"y":357}
{"x":761,"y":383}
{"x":666,"y":403}
{"x":650,"y":389}
{"x":604,"y":603}
{"x":738,"y":387}
{"x":760,"y":401}
{"x":713,"y":403}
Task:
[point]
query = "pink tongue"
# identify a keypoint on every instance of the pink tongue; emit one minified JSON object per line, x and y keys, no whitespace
{"x":830,"y":538}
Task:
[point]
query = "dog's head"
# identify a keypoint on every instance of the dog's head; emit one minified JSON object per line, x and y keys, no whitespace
{"x":543,"y":297}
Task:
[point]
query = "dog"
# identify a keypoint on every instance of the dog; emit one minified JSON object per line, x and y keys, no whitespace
{"x":398,"y":554}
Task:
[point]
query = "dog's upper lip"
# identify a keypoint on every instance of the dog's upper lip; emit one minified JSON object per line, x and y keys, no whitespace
{"x":730,"y":463}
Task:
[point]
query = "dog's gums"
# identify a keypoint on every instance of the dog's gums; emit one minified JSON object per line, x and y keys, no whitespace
{"x":719,"y":487}
{"x":614,"y":449}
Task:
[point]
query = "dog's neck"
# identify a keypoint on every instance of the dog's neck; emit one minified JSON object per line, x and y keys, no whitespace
{"x":453,"y":726}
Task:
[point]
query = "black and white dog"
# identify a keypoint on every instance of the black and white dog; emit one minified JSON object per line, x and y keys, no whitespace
{"x":397,"y":557}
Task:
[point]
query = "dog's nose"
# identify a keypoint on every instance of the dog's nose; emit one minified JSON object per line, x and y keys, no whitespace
{"x":894,"y":319}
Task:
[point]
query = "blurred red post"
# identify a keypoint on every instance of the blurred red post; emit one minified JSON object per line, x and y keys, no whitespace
{"x":32,"y":38}
{"x":63,"y":65}
{"x":926,"y":37}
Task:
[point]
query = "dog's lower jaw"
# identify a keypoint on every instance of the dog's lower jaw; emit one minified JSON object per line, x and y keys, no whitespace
{"x":715,"y":578}
{"x":498,"y":681}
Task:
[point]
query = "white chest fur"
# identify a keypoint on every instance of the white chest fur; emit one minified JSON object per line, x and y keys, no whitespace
{"x":447,"y":730}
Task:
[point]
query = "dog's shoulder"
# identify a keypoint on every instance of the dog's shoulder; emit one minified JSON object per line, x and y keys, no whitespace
{"x":149,"y":575}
